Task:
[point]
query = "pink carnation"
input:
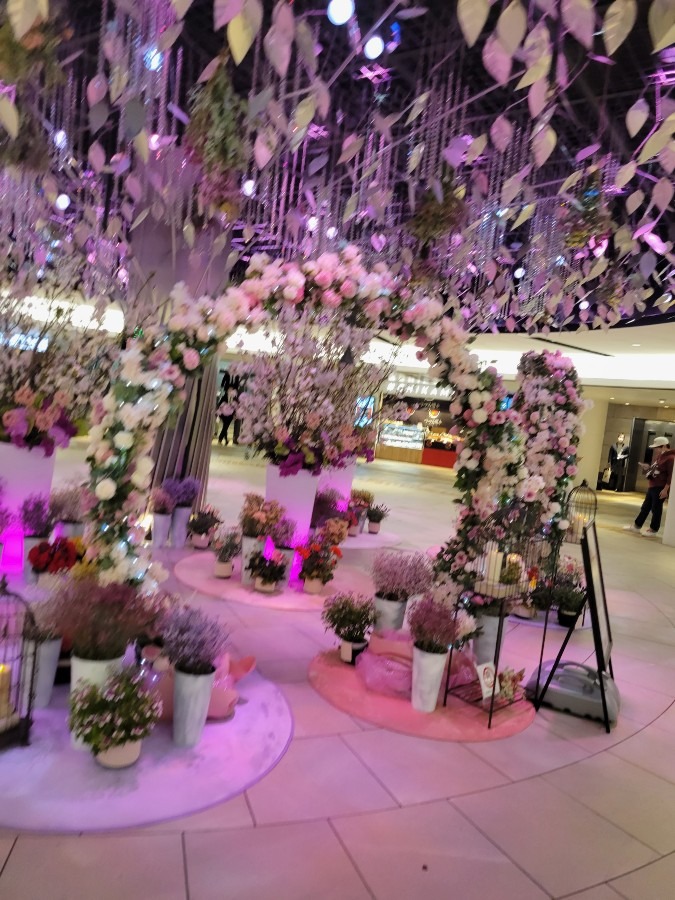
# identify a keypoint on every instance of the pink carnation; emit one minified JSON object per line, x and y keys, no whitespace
{"x":191,"y":359}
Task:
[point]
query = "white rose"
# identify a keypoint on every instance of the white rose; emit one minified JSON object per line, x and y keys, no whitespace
{"x":144,"y":465}
{"x":124,"y":440}
{"x":479,"y":416}
{"x":106,"y":489}
{"x":140,"y":480}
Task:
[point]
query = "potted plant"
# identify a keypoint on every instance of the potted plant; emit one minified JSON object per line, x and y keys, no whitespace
{"x":282,"y":534}
{"x":352,"y":522}
{"x":434,"y":626}
{"x":318,"y":563}
{"x":361,"y":500}
{"x":349,"y":616}
{"x":44,"y":640}
{"x":257,"y":518}
{"x":398,"y":576}
{"x":162,"y":506}
{"x":375,"y":516}
{"x":37,"y":521}
{"x":267,"y":568}
{"x":67,"y":510}
{"x":194,"y":643}
{"x":569,"y":591}
{"x":333,"y":531}
{"x":227,"y":543}
{"x":51,"y":560}
{"x":184,"y":492}
{"x":201,"y":527}
{"x":113,"y":719}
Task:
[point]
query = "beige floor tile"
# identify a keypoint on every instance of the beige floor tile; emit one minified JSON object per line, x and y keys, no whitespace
{"x":233,"y":814}
{"x":651,"y":749}
{"x":652,"y":882}
{"x":6,"y":844}
{"x":312,"y":715}
{"x":559,"y":842}
{"x":95,"y":868}
{"x":318,"y":778}
{"x":430,"y":851}
{"x":603,"y":892}
{"x":290,"y":862}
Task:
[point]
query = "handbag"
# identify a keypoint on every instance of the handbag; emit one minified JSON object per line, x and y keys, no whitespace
{"x":607,"y":475}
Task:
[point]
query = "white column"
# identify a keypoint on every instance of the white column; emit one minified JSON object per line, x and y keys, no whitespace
{"x":589,"y":453}
{"x":669,"y":526}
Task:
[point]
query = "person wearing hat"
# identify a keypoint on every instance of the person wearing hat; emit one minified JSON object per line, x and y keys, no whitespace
{"x":659,"y":475}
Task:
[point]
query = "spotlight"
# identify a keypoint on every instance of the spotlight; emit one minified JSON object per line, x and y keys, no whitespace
{"x":374,"y":47}
{"x":62,"y":202}
{"x":60,"y":139}
{"x":519,"y":273}
{"x":662,"y":401}
{"x":152,"y":59}
{"x":153,"y":142}
{"x":635,"y":345}
{"x":248,"y":187}
{"x":331,"y":232}
{"x":340,"y":11}
{"x":584,"y":304}
{"x":312,"y":223}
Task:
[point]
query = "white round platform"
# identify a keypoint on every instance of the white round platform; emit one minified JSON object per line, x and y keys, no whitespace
{"x":50,"y":786}
{"x":366,"y":541}
{"x":196,"y":571}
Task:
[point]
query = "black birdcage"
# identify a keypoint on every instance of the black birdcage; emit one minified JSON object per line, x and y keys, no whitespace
{"x":580,"y":511}
{"x":17,"y":668}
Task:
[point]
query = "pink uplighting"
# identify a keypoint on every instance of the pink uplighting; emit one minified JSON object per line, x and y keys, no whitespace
{"x":12,"y":550}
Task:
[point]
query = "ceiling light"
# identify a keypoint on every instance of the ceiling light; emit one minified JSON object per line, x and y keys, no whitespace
{"x":627,"y":404}
{"x":153,"y":142}
{"x":374,"y":47}
{"x":62,"y":202}
{"x":312,"y":223}
{"x":635,"y":345}
{"x":611,"y":398}
{"x":60,"y":139}
{"x":248,"y":187}
{"x":662,"y":401}
{"x":331,"y":232}
{"x":340,"y":11}
{"x":152,"y":59}
{"x":519,"y":272}
{"x":584,"y":304}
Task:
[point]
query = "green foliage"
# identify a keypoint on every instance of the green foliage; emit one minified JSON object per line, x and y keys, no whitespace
{"x":434,"y":219}
{"x":349,"y":616}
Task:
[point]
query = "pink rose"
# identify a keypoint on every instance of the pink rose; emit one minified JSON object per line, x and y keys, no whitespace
{"x":348,"y":289}
{"x":191,"y":359}
{"x":331,"y":299}
{"x":323,"y":279}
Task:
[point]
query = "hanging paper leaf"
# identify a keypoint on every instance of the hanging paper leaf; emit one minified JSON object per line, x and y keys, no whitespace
{"x":662,"y":193}
{"x":321,"y":96}
{"x":350,"y":208}
{"x":543,"y":144}
{"x":511,"y":188}
{"x":654,"y":144}
{"x":350,"y":147}
{"x":618,"y":24}
{"x":9,"y":117}
{"x":496,"y":60}
{"x":264,"y":147}
{"x":662,"y":24}
{"x":624,"y":175}
{"x":537,"y":55}
{"x":655,"y":242}
{"x":667,"y":158}
{"x":304,"y":112}
{"x":501,"y":133}
{"x":476,"y":148}
{"x":415,"y":157}
{"x":178,"y":113}
{"x":381,"y":125}
{"x":96,"y":157}
{"x":413,"y":12}
{"x":133,"y":188}
{"x":282,"y":17}
{"x":181,"y":7}
{"x":210,"y":70}
{"x":634,"y":201}
{"x":378,"y":242}
{"x":96,"y":90}
{"x":304,"y":41}
{"x":98,"y":116}
{"x":169,"y":37}
{"x":140,"y":219}
{"x":536,"y":97}
{"x":512,"y":26}
{"x":455,"y":153}
{"x":277,"y":50}
{"x":243,"y":28}
{"x":647,"y":264}
{"x":579,"y":19}
{"x":586,"y":152}
{"x":118,"y":82}
{"x":224,"y":11}
{"x":258,"y":102}
{"x":22,"y":15}
{"x":417,"y":107}
{"x":142,"y":146}
{"x":317,"y":164}
{"x":525,"y":214}
{"x":636,"y":116}
{"x":134,"y":118}
{"x":472,"y":16}
{"x":277,"y":117}
{"x":189,"y":233}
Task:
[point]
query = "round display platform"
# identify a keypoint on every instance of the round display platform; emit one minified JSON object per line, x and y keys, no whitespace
{"x":338,"y":683}
{"x":50,"y":786}
{"x":196,"y":571}
{"x":366,"y":541}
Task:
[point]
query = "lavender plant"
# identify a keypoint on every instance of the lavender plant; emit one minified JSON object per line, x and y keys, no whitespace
{"x":435,"y":625}
{"x":398,"y":576}
{"x":193,"y":641}
{"x":66,"y":504}
{"x":36,"y":516}
{"x":183,"y":490}
{"x":162,"y":502}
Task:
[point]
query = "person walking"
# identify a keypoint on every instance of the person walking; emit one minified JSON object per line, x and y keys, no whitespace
{"x":659,"y":475}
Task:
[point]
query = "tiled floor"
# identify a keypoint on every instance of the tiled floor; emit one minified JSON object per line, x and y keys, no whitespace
{"x":353,"y":811}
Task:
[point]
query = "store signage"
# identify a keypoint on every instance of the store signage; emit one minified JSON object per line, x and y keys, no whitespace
{"x":402,"y":385}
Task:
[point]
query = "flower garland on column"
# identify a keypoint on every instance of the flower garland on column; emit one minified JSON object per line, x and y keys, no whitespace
{"x":550,"y":406}
{"x":146,"y":390}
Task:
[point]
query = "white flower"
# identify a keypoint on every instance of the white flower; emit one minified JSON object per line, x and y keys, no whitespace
{"x":106,"y":489}
{"x":144,"y":465}
{"x":124,"y":440}
{"x":479,"y":416}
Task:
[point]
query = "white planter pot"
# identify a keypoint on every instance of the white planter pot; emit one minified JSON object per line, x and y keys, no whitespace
{"x":427,"y":674}
{"x":296,"y":493}
{"x":248,"y":547}
{"x":201,"y":541}
{"x":94,"y":671}
{"x":265,"y":587}
{"x":313,"y":585}
{"x":47,"y":663}
{"x":353,"y":531}
{"x":485,"y":643}
{"x":340,"y":480}
{"x":191,"y":698}
{"x":223,"y":569}
{"x":349,"y":651}
{"x":374,"y":527}
{"x":31,"y":473}
{"x":71,"y":529}
{"x":161,"y":528}
{"x":120,"y":757}
{"x":179,"y":526}
{"x":28,"y":543}
{"x":390,"y":614}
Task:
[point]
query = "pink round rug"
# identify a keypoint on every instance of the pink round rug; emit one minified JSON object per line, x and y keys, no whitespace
{"x":196,"y":571}
{"x":458,"y":721}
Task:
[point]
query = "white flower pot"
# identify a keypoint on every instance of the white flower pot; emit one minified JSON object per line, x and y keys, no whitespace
{"x":48,"y":653}
{"x":349,"y":651}
{"x":31,"y":473}
{"x":390,"y":614}
{"x":94,"y":671}
{"x":28,"y":543}
{"x":374,"y":527}
{"x":313,"y":585}
{"x":353,"y":531}
{"x":161,"y":528}
{"x":485,"y":643}
{"x":120,"y":757}
{"x":201,"y":541}
{"x":223,"y":569}
{"x":191,"y":698}
{"x":265,"y":587}
{"x":179,"y":526}
{"x":72,"y":529}
{"x":296,"y":493}
{"x":249,"y":545}
{"x":427,"y":674}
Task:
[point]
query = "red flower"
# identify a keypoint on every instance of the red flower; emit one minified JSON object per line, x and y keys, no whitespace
{"x":337,"y":552}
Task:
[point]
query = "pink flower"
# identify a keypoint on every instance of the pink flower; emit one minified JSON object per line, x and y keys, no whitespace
{"x":572,"y":470}
{"x":323,"y":279}
{"x":348,"y":289}
{"x":330,"y":299}
{"x":25,"y":396}
{"x":191,"y":359}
